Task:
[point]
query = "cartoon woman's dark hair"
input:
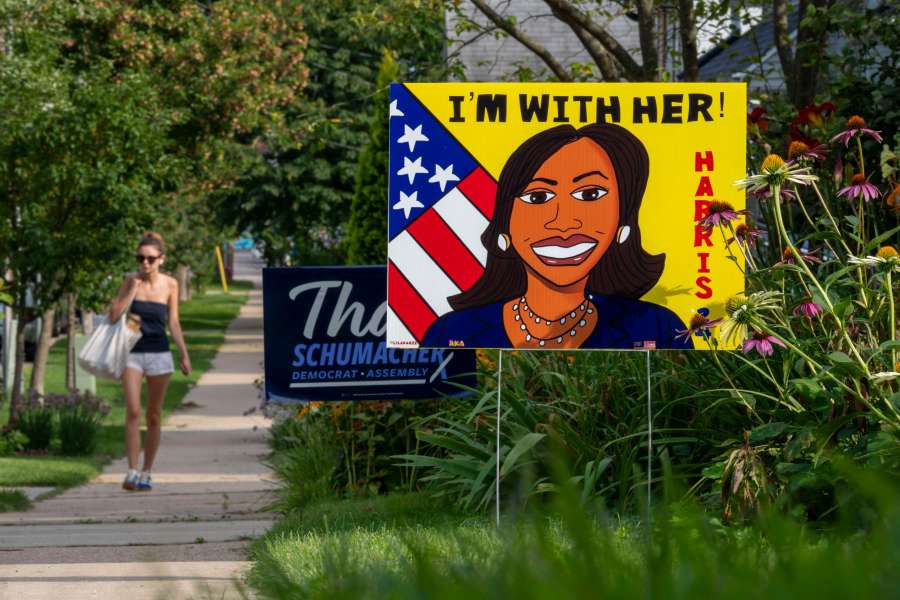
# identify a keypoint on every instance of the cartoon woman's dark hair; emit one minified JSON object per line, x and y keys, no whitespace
{"x":626,"y":270}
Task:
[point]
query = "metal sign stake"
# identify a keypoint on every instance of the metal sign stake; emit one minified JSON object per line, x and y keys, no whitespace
{"x":649,"y":433}
{"x":497,"y":474}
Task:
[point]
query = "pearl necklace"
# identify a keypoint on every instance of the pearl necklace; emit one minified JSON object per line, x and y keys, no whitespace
{"x":576,"y":316}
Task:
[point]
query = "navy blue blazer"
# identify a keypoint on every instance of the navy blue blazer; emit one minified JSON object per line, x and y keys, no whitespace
{"x":621,"y":323}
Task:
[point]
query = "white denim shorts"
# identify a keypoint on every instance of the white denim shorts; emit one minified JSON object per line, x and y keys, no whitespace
{"x":151,"y":363}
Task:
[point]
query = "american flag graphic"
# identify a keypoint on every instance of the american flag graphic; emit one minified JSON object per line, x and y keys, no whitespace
{"x":439,"y":203}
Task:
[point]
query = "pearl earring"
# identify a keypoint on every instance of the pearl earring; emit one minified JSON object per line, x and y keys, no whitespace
{"x":624,"y":232}
{"x":503,"y":242}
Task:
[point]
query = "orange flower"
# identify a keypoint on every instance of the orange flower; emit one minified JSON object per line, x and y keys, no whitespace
{"x":893,"y":198}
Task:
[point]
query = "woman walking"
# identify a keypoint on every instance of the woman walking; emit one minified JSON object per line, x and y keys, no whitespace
{"x":152,"y":296}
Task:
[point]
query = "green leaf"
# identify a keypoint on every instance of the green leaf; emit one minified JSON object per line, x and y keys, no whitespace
{"x":713,"y":471}
{"x":767,"y":432}
{"x":800,"y":441}
{"x":463,"y":447}
{"x":788,"y":469}
{"x":478,"y":484}
{"x":525,"y":443}
{"x":895,"y":400}
{"x":839,"y":358}
{"x":889,"y":345}
{"x":843,"y":308}
{"x":808,"y":387}
{"x":844,"y":364}
{"x":875,"y":242}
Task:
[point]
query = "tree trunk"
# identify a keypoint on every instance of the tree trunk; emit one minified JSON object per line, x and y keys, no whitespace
{"x":647,"y":36}
{"x":15,"y":403}
{"x":71,"y":299}
{"x":183,"y":275}
{"x":687,"y":29}
{"x":812,"y":41}
{"x":87,"y":322}
{"x":42,"y":353}
{"x":783,"y":43}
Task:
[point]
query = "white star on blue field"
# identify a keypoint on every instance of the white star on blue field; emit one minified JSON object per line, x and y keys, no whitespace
{"x":419,"y":145}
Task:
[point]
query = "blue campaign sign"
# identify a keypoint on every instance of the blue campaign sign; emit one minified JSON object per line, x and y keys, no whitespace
{"x":324,"y":331}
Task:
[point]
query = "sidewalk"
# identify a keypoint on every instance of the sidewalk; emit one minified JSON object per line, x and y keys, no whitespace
{"x":186,"y":538}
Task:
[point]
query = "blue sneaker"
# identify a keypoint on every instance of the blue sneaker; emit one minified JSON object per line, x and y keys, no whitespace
{"x":131,"y":480}
{"x":145,"y":482}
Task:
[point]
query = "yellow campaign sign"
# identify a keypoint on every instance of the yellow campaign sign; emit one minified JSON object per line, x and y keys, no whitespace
{"x":562,"y":215}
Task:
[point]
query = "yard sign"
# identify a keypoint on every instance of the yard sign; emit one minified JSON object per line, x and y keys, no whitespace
{"x":556,"y":215}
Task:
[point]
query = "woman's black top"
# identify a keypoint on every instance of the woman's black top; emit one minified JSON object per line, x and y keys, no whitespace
{"x":153,"y":326}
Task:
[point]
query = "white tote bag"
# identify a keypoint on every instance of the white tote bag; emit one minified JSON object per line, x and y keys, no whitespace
{"x":106,"y":351}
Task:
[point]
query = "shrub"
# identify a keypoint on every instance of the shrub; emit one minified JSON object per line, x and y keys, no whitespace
{"x":36,"y":421}
{"x":13,"y":500}
{"x":366,"y":241}
{"x":590,"y":406}
{"x":305,"y":458}
{"x":37,"y":424}
{"x":12,"y":441}
{"x":78,"y":428}
{"x":80,"y":416}
{"x":344,"y":448}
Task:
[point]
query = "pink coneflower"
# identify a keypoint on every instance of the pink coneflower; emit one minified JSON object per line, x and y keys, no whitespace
{"x":699,"y":325}
{"x":808,"y":309}
{"x":721,"y":213}
{"x":787,"y":257}
{"x":784,"y":193}
{"x":800,"y":151}
{"x":860,"y":187}
{"x":856,"y":124}
{"x":745,"y":234}
{"x":762,"y":343}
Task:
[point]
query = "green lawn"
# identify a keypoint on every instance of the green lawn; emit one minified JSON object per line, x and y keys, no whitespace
{"x":370,"y":533}
{"x":61,"y":471}
{"x":203,"y":319}
{"x":412,"y":546}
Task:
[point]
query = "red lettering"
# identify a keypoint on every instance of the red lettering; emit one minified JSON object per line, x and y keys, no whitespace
{"x":705,"y":291}
{"x":700,"y":160}
{"x":701,"y":209}
{"x":703,"y":266}
{"x":705,"y":187}
{"x":701,"y":234}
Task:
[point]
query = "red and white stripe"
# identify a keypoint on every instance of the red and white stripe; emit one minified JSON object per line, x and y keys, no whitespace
{"x":438,"y":255}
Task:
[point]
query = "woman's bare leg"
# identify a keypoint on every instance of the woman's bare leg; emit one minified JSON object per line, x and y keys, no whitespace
{"x":131,"y":385}
{"x":156,"y":393}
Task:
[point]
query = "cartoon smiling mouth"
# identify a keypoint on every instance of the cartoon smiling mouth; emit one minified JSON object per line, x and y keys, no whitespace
{"x":556,"y":251}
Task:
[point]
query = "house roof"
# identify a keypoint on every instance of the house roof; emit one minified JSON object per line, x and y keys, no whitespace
{"x":738,"y":55}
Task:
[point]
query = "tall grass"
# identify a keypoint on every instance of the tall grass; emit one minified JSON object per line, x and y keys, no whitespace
{"x":407,"y":547}
{"x":593,"y":407}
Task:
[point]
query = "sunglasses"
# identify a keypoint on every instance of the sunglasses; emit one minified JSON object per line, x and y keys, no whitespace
{"x":143,"y":257}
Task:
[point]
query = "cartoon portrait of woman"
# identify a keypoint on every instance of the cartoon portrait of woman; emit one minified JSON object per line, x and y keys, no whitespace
{"x":565,"y":265}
